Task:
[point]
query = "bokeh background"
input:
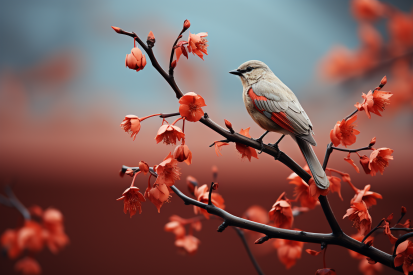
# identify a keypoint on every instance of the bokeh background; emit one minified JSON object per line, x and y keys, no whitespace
{"x":64,"y":90}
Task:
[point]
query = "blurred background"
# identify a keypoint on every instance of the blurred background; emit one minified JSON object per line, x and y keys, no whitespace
{"x":64,"y":90}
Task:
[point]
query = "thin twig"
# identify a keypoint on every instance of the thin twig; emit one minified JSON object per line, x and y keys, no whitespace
{"x":371,"y":231}
{"x":351,"y":150}
{"x":252,"y":258}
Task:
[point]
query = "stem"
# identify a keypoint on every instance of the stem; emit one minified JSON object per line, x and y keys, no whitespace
{"x":171,"y":70}
{"x":14,"y":202}
{"x":210,"y":194}
{"x":247,"y":248}
{"x":178,"y":119}
{"x":371,"y":231}
{"x":400,"y":240}
{"x":169,"y":115}
{"x":352,"y":150}
{"x":324,"y":257}
{"x":142,"y":119}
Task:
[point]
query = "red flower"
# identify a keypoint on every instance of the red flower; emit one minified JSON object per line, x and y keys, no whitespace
{"x":400,"y":28}
{"x":404,"y":256}
{"x":191,"y":182}
{"x":136,"y":60}
{"x":30,"y":237}
{"x":132,"y":200}
{"x":388,"y":233}
{"x":188,"y":243}
{"x":143,"y":167}
{"x":187,"y":24}
{"x":182,"y":153}
{"x":244,"y":150}
{"x":335,"y":185}
{"x":344,"y":132}
{"x":190,"y":107}
{"x":28,"y":266}
{"x":367,"y":9}
{"x":201,"y":194}
{"x":360,"y":216}
{"x":8,"y":241}
{"x":169,"y":134}
{"x":180,"y":49}
{"x":351,"y":162}
{"x":281,"y":213}
{"x":315,"y":192}
{"x":218,"y":145}
{"x":132,"y":125}
{"x":175,"y":227}
{"x":256,"y":213}
{"x":158,"y":194}
{"x":54,"y":232}
{"x":370,"y":269}
{"x":288,"y":251}
{"x":302,"y":190}
{"x":367,"y":196}
{"x":197,"y":44}
{"x":168,"y":171}
{"x":374,"y":103}
{"x":379,"y":159}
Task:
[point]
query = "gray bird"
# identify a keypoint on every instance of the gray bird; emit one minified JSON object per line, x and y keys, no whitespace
{"x":275,"y":108}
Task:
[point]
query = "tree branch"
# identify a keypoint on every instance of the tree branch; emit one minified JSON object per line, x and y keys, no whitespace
{"x":244,"y":241}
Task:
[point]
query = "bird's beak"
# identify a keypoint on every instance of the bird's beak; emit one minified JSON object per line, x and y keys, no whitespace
{"x":236,"y":72}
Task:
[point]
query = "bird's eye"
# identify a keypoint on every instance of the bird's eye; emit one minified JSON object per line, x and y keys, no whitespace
{"x":249,"y":69}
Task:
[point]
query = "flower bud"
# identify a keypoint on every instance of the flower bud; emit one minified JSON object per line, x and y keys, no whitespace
{"x":215,"y":186}
{"x":116,"y":29}
{"x":182,"y":153}
{"x":143,"y":167}
{"x":383,"y":81}
{"x":372,"y":142}
{"x":131,"y":124}
{"x":136,"y":60}
{"x":404,"y":210}
{"x":187,"y":24}
{"x":229,"y":126}
{"x":390,"y":218}
{"x":364,"y":161}
{"x":173,"y":64}
{"x":150,"y":40}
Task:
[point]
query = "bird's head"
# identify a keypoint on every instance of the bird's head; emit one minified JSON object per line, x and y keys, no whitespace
{"x":251,"y":72}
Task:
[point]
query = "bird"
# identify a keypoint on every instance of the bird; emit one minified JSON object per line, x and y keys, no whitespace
{"x":275,"y":108}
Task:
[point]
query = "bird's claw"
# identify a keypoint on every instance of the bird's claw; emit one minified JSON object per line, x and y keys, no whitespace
{"x":262,"y":144}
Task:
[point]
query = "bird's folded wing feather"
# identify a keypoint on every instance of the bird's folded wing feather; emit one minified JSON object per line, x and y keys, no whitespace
{"x":281,"y":106}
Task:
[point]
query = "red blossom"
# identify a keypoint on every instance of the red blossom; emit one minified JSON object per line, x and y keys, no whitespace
{"x":370,"y":269}
{"x":281,"y":213}
{"x":369,"y":197}
{"x":404,"y":256}
{"x":313,"y":252}
{"x":132,"y":199}
{"x":351,"y":162}
{"x":116,"y":29}
{"x":158,"y":194}
{"x":335,"y":185}
{"x":302,"y":190}
{"x":365,"y":161}
{"x":151,"y":39}
{"x":188,"y":243}
{"x":191,"y":106}
{"x":344,"y":132}
{"x":175,"y":227}
{"x":197,"y":44}
{"x":218,"y":145}
{"x":256,"y":213}
{"x":54,"y":232}
{"x":201,"y":195}
{"x":360,"y":216}
{"x":8,"y":241}
{"x":379,"y":159}
{"x":30,"y":236}
{"x":244,"y":150}
{"x":288,"y":251}
{"x":169,"y":134}
{"x":374,"y":102}
{"x":168,"y":171}
{"x":367,"y":9}
{"x":131,"y":124}
{"x":180,"y":49}
{"x":388,"y":233}
{"x":28,"y":266}
{"x":143,"y":167}
{"x":191,"y":182}
{"x":136,"y":60}
{"x":182,"y":153}
{"x":187,"y":24}
{"x":315,"y":192}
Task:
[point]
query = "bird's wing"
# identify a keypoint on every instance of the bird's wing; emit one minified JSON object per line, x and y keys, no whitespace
{"x":282,"y":107}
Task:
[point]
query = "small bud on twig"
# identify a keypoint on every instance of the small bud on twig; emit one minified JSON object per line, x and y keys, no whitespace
{"x":187,"y":24}
{"x":389,"y":218}
{"x":372,"y":142}
{"x":262,"y":240}
{"x":215,"y":186}
{"x":150,"y":40}
{"x":173,"y":64}
{"x":383,"y":81}
{"x":229,"y":126}
{"x":116,"y":29}
{"x":222,"y":227}
{"x":404,"y":210}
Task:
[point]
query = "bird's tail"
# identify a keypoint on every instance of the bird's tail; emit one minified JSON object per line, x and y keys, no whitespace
{"x":319,"y":175}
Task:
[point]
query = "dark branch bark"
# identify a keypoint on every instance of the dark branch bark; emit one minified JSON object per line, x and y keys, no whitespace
{"x":15,"y":203}
{"x":244,"y":241}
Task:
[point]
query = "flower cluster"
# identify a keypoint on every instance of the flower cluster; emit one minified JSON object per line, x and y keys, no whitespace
{"x":44,"y":229}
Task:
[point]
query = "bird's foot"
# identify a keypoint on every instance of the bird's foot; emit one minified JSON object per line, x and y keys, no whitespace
{"x":275,"y":146}
{"x":261,"y":142}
